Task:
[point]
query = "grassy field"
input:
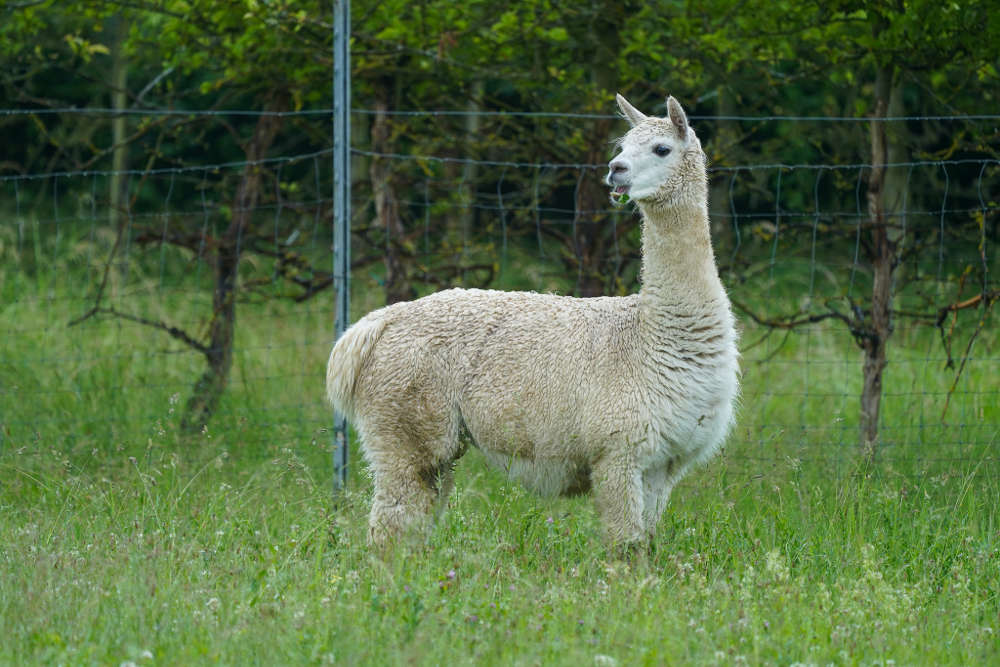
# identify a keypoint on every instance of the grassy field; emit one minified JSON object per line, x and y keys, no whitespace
{"x":123,"y":541}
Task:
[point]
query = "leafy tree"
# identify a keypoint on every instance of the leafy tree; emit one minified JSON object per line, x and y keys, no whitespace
{"x":440,"y":196}
{"x":871,"y":51}
{"x":269,"y":56}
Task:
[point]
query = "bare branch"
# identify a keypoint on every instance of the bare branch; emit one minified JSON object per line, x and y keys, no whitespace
{"x":138,"y":134}
{"x":791,"y":321}
{"x":149,"y":86}
{"x":24,"y":4}
{"x":938,"y":317}
{"x":968,"y":348}
{"x":104,"y":278}
{"x":179,"y":334}
{"x":984,"y":297}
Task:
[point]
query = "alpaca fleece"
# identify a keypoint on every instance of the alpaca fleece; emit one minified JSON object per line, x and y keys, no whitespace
{"x":615,"y":395}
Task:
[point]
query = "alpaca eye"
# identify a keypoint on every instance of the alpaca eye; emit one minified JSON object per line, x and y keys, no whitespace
{"x":661,"y":150}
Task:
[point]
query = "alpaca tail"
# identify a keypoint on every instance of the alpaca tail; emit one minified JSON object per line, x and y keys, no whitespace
{"x":348,"y":358}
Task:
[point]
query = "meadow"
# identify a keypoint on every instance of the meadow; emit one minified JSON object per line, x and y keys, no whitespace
{"x":125,"y":541}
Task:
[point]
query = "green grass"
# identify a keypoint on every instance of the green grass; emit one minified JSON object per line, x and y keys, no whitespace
{"x":123,"y":540}
{"x":192,"y":557}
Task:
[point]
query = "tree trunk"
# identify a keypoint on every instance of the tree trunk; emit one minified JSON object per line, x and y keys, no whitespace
{"x":119,"y":100}
{"x":222,"y":328}
{"x":227,"y":251}
{"x":397,"y":283}
{"x":592,"y":232}
{"x":883,"y":262}
{"x":470,"y":176}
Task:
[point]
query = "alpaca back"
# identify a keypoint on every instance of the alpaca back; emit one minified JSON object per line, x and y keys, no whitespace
{"x":530,"y":375}
{"x":544,"y":377}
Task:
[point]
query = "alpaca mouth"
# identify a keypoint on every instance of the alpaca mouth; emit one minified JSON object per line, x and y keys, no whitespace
{"x":619,"y":195}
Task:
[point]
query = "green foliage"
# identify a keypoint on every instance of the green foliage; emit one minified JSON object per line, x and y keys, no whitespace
{"x":473,"y":224}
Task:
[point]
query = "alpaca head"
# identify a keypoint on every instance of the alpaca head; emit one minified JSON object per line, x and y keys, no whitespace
{"x":661,"y":160}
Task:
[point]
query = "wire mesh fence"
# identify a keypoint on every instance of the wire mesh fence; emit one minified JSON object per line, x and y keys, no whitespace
{"x":119,"y":284}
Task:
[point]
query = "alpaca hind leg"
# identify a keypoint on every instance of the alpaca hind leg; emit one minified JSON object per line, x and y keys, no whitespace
{"x":403,"y":503}
{"x":412,"y":470}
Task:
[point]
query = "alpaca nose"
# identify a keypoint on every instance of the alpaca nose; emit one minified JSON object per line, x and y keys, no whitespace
{"x":616,"y":171}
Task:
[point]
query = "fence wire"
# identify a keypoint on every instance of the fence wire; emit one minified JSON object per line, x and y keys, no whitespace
{"x":82,"y":277}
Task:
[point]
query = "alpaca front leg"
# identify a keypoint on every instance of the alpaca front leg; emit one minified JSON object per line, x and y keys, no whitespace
{"x":619,"y":497}
{"x":657,"y":484}
{"x":445,"y":484}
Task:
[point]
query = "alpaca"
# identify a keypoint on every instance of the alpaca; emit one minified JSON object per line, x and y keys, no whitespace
{"x":618,"y":395}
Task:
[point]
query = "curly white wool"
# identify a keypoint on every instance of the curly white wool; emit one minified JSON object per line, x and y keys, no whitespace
{"x":620,"y":395}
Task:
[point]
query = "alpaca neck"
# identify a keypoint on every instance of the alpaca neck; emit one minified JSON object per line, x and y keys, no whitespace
{"x":678,"y":264}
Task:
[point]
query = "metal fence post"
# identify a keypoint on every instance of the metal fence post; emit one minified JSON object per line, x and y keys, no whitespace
{"x":341,"y":205}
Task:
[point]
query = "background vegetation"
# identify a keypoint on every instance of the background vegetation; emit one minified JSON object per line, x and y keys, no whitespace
{"x":164,"y":462}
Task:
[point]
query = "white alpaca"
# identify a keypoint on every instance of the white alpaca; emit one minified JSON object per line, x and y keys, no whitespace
{"x":616,"y":394}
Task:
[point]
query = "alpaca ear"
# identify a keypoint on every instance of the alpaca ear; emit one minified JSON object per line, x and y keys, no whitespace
{"x":678,"y":118}
{"x":632,"y":115}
